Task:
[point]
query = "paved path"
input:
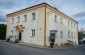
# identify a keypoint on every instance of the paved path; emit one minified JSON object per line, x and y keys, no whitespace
{"x":14,"y":49}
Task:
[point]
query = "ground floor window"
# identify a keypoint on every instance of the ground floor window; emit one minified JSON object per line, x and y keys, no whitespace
{"x":33,"y":32}
{"x":61,"y":34}
{"x":12,"y":32}
{"x":68,"y":34}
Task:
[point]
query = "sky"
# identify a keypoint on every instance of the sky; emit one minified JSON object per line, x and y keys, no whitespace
{"x":73,"y":8}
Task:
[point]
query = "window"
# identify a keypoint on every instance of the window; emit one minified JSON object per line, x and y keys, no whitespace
{"x":25,"y":18}
{"x":12,"y":32}
{"x":12,"y":20}
{"x":61,"y":34}
{"x":61,"y":21}
{"x":18,"y":19}
{"x":74,"y":25}
{"x":68,"y":23}
{"x":33,"y":16}
{"x":68,"y":34}
{"x":33,"y":32}
{"x":71,"y":25}
{"x":72,"y":34}
{"x":55,"y":18}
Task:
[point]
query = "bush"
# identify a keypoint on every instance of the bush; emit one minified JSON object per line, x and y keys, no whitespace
{"x":61,"y":44}
{"x":16,"y":40}
{"x":8,"y":39}
{"x":51,"y":45}
{"x":56,"y":44}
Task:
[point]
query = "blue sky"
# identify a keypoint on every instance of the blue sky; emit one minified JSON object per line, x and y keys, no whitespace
{"x":72,"y":8}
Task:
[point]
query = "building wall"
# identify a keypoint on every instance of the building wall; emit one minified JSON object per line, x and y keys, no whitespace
{"x":52,"y":25}
{"x":37,"y":24}
{"x":44,"y":13}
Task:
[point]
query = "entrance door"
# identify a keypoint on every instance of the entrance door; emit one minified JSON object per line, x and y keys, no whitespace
{"x":20,"y":36}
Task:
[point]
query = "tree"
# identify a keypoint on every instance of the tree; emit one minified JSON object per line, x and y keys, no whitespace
{"x":2,"y":31}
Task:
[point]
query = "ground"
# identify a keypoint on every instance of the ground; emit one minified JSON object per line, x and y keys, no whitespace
{"x":7,"y":48}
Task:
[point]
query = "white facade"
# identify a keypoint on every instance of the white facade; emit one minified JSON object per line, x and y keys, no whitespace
{"x":64,"y":28}
{"x":44,"y":22}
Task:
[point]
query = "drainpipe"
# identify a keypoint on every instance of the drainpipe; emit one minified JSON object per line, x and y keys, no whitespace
{"x":45,"y":28}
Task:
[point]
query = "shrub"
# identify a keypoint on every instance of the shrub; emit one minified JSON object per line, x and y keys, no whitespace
{"x":51,"y":45}
{"x":56,"y":44}
{"x":61,"y":44}
{"x":8,"y":39}
{"x":16,"y":40}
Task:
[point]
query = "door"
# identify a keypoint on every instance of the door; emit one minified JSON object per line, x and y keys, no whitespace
{"x":20,"y":36}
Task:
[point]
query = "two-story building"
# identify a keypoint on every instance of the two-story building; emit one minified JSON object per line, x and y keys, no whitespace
{"x":38,"y":23}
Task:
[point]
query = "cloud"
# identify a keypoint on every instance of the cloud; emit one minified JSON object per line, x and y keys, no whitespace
{"x":79,"y":16}
{"x":71,"y":7}
{"x":2,"y":16}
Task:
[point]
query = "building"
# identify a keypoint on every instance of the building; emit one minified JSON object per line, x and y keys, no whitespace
{"x":38,"y":23}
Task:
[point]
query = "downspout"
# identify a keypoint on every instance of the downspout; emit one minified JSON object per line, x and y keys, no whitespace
{"x":45,"y":28}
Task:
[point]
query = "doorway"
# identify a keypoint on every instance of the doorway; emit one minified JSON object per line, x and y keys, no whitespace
{"x":20,"y":36}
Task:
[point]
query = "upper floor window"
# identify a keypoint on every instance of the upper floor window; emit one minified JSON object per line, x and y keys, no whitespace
{"x":68,"y":23}
{"x":25,"y":18}
{"x":61,"y":34}
{"x":71,"y":25}
{"x":12,"y":20}
{"x":12,"y":32}
{"x":33,"y":16}
{"x":18,"y":19}
{"x":33,"y":32}
{"x":61,"y":21}
{"x":74,"y":25}
{"x":55,"y":18}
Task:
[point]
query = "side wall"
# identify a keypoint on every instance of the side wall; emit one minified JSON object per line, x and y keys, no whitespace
{"x":52,"y":25}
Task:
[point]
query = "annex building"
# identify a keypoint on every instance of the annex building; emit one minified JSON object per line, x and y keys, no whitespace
{"x":36,"y":24}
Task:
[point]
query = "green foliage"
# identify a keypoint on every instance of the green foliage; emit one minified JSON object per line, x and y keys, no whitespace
{"x":16,"y":40}
{"x":2,"y":31}
{"x":51,"y":44}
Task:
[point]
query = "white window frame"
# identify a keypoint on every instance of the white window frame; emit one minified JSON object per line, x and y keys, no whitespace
{"x":61,"y":20}
{"x":56,"y":18}
{"x":71,"y":25}
{"x":72,"y":34}
{"x":68,"y":24}
{"x":18,"y":19}
{"x":25,"y":18}
{"x":33,"y":32}
{"x":33,"y":15}
{"x":61,"y":34}
{"x":12,"y":20}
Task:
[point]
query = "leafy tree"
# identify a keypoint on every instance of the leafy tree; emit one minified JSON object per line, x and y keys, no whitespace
{"x":2,"y":31}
